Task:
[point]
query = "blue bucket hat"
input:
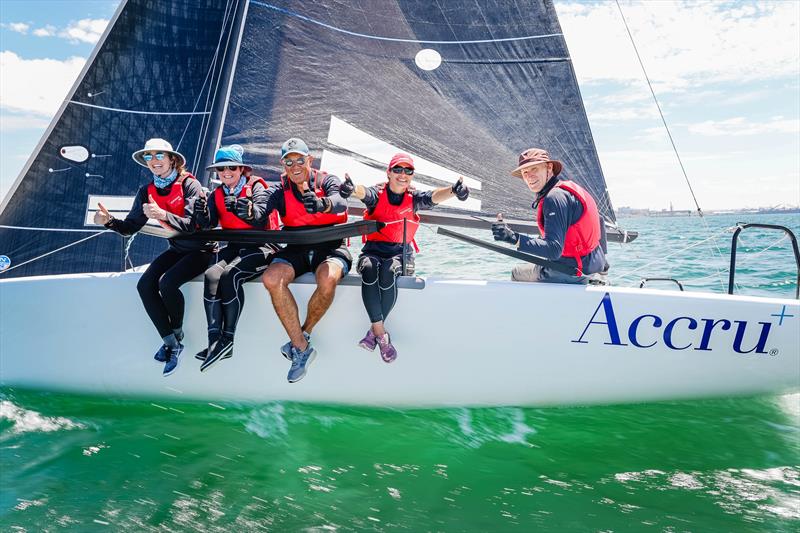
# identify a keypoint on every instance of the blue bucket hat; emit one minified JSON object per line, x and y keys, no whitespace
{"x":294,"y":146}
{"x":229,"y":156}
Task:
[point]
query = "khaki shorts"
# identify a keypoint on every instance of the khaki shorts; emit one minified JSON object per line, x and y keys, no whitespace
{"x":529,"y":272}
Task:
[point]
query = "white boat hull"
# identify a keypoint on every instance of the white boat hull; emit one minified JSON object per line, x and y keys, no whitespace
{"x":460,"y":343}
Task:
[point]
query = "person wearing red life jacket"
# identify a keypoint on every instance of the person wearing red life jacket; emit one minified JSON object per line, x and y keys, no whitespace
{"x":239,"y":203}
{"x":572,"y":230}
{"x":169,"y":198}
{"x":381,"y":257}
{"x":305,"y":199}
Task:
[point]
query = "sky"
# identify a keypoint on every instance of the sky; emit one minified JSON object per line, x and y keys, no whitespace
{"x":726,"y":73}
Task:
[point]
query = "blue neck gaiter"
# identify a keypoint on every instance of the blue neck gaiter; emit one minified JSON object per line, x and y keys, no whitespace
{"x":164,"y":182}
{"x":237,"y":189}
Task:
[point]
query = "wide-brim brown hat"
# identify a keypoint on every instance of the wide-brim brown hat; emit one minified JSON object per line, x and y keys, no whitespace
{"x":535,"y":156}
{"x":156,"y":145}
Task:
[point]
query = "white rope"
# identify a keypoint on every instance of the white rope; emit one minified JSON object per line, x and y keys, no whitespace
{"x":54,"y":251}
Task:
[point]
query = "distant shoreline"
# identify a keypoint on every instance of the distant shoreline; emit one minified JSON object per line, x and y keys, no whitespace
{"x":631,"y":212}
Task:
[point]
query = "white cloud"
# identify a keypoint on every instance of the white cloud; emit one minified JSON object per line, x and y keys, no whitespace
{"x":46,"y":31}
{"x":721,"y":180}
{"x":22,"y":87}
{"x":683,"y":44}
{"x":739,"y":126}
{"x":19,"y":27}
{"x":21,"y":122}
{"x":85,"y":30}
{"x":618,"y":114}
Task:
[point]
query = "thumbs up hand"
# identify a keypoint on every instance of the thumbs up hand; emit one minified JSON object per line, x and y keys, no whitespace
{"x":201,"y":204}
{"x":313,"y":203}
{"x":460,"y":190}
{"x":102,"y":216}
{"x":152,"y":209}
{"x":230,"y":203}
{"x":347,"y":187}
{"x":501,"y":231}
{"x":244,"y":206}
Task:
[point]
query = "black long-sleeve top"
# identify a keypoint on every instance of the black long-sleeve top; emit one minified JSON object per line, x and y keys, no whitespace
{"x":330,"y":186}
{"x":136,"y":219}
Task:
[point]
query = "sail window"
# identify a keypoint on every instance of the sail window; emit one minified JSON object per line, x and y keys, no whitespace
{"x":77,"y":153}
{"x":428,"y":59}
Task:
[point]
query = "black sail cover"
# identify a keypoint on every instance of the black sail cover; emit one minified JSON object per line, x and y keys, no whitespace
{"x":354,"y":79}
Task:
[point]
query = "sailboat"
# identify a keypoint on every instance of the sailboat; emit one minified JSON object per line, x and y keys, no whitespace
{"x":463,"y":88}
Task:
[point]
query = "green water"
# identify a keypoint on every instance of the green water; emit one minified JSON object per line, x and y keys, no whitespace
{"x":104,"y":464}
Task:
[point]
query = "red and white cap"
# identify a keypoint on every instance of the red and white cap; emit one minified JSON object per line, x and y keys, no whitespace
{"x":401,"y":159}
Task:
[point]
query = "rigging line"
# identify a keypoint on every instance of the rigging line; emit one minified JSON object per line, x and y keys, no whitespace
{"x":132,"y":111}
{"x":214,"y":83}
{"x":54,"y":251}
{"x":604,"y":200}
{"x":669,"y":134}
{"x":395,"y":39}
{"x":203,"y":86}
{"x":64,"y":230}
{"x":660,"y":113}
{"x":661,"y":259}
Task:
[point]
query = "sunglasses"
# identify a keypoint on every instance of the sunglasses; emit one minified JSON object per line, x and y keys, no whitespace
{"x":159,"y":156}
{"x":290,"y":162}
{"x":231,"y":168}
{"x":400,"y":170}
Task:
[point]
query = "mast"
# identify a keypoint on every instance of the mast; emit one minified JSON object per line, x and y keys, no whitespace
{"x":232,"y":37}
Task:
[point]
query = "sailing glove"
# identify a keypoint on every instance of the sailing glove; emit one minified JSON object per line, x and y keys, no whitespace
{"x":230,"y":203}
{"x":315,"y":204}
{"x":347,"y":188}
{"x":460,"y":190}
{"x":244,"y":209}
{"x":201,"y":206}
{"x":502,"y":232}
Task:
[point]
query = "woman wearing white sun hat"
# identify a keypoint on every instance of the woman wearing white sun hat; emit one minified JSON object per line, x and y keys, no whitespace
{"x":168,"y":198}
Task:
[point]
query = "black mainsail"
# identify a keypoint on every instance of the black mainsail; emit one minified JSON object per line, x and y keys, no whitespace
{"x":343,"y":75}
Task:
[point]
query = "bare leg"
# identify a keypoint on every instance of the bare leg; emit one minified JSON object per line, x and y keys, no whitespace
{"x":328,"y":275}
{"x":276,"y":279}
{"x":377,"y":329}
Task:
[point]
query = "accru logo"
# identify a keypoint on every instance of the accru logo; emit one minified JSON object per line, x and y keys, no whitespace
{"x":647,"y":330}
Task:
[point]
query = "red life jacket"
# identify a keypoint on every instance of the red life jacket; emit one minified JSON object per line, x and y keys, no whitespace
{"x":584,"y":235}
{"x":228,"y":220}
{"x":296,"y":214}
{"x":173,"y":202}
{"x":393,"y":216}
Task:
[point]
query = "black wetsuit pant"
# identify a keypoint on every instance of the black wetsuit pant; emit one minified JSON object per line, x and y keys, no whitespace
{"x":223,"y":296}
{"x":159,"y":286}
{"x":378,"y":283}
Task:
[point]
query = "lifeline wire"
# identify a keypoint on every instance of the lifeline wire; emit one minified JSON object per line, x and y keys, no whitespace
{"x":54,"y":251}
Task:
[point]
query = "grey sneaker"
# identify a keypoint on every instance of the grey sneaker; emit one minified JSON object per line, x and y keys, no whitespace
{"x":300,"y":363}
{"x":286,"y":349}
{"x":173,"y":355}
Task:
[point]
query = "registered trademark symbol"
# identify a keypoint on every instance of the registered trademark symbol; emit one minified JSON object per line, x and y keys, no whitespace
{"x":773,"y":352}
